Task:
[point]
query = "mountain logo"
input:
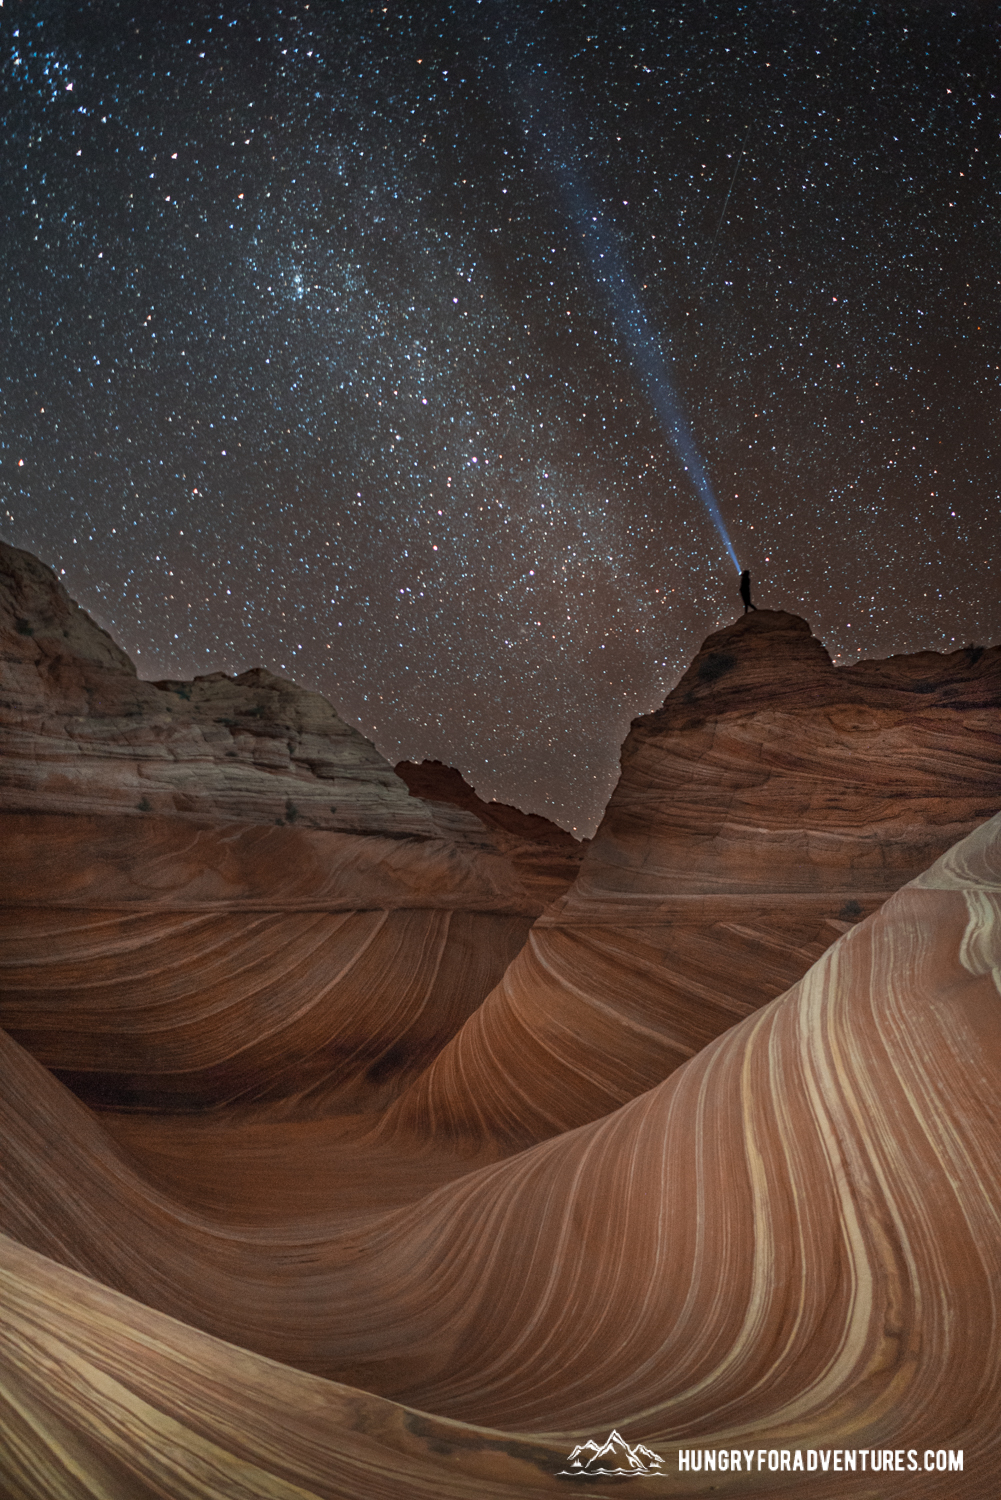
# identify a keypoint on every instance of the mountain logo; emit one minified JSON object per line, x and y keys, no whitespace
{"x":614,"y":1456}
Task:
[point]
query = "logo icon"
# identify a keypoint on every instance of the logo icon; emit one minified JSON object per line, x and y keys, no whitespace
{"x":614,"y":1456}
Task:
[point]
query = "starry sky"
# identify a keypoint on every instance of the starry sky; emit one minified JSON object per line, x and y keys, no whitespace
{"x":321,"y":348}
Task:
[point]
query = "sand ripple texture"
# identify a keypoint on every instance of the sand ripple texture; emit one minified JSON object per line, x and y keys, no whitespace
{"x":769,"y":805}
{"x":792,"y":1241}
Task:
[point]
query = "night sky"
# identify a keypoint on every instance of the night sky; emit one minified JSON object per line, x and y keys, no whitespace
{"x":311,"y":361}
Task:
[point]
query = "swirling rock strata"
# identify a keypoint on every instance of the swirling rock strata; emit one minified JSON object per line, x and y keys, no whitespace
{"x":792,"y":1241}
{"x":103,"y":1399}
{"x":770,"y":804}
{"x":789,"y":1239}
{"x":217,"y":890}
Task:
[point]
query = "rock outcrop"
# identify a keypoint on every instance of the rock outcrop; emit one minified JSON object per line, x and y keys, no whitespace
{"x":546,"y":857}
{"x":217,"y":890}
{"x":769,"y":805}
{"x":81,"y":733}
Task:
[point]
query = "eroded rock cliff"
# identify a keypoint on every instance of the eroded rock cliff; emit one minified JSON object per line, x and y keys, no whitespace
{"x":80,"y":733}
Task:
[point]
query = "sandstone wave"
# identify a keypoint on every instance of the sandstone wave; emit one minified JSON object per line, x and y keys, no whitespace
{"x":793,"y":1239}
{"x":347,"y":1152}
{"x":217,"y":890}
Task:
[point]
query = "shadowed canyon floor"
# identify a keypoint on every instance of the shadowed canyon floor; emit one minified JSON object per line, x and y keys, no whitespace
{"x":334,"y":1165}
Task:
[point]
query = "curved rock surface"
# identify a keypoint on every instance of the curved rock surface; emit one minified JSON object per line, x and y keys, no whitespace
{"x":348,"y":1231}
{"x":217,"y":890}
{"x":794,"y":1241}
{"x":770,"y":804}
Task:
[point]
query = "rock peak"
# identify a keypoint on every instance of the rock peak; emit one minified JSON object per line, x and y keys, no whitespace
{"x":546,"y":857}
{"x":40,"y":625}
{"x":758,"y":622}
{"x":762,"y":653}
{"x":769,"y":658}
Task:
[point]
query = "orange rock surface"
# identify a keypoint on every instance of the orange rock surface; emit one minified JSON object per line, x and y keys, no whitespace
{"x":791,"y":1243}
{"x":546,"y":857}
{"x":770,"y":804}
{"x":303,"y":1195}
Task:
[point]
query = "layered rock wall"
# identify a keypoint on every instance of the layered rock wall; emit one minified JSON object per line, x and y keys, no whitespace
{"x":79,"y":732}
{"x":546,"y":857}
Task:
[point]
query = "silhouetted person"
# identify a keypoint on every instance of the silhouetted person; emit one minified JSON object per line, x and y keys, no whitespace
{"x":745,"y":591}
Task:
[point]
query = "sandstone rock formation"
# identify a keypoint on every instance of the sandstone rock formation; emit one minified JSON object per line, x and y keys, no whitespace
{"x":791,"y":1243}
{"x":79,"y":732}
{"x":302,"y":1194}
{"x":770,"y":804}
{"x":218,"y":890}
{"x":546,"y":857}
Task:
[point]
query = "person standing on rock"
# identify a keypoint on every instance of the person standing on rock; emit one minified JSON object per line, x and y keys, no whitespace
{"x":745,"y":591}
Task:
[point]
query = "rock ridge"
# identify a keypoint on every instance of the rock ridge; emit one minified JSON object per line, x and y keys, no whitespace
{"x":770,"y":658}
{"x":771,"y":804}
{"x":546,"y":856}
{"x":81,"y":731}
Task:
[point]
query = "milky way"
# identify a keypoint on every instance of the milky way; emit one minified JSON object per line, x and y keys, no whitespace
{"x":308,"y":365}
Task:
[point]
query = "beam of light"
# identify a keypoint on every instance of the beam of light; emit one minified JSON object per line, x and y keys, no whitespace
{"x":648,"y":359}
{"x":631,"y":323}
